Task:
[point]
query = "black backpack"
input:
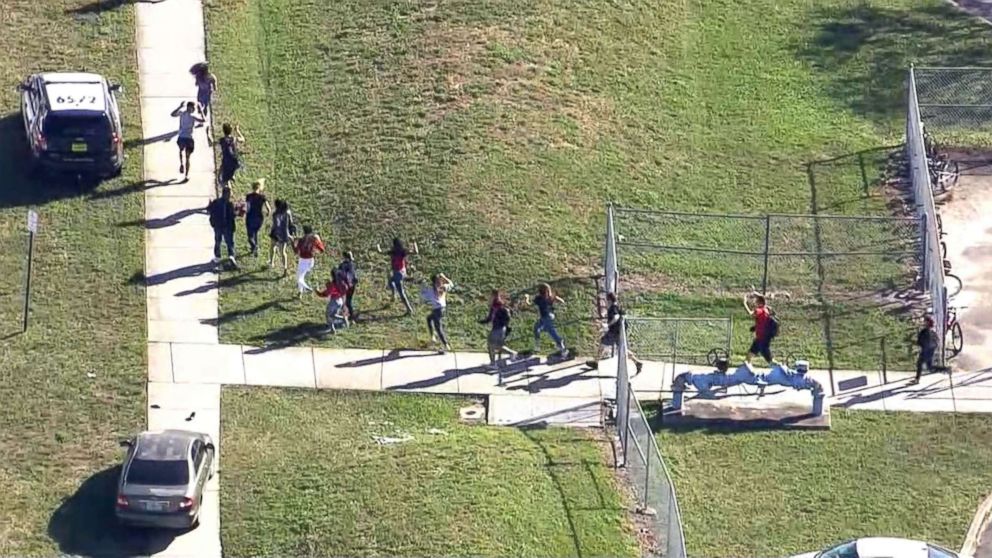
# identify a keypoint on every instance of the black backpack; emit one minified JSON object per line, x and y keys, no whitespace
{"x":772,"y":327}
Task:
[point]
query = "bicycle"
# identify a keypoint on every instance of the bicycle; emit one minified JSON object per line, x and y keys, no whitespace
{"x":952,"y":282}
{"x":953,"y":326}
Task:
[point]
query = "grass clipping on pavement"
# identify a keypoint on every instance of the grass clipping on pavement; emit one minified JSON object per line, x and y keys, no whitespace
{"x":305,"y":476}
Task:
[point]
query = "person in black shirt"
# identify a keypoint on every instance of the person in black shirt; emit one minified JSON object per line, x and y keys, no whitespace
{"x":230,"y":160}
{"x":545,"y":303}
{"x":256,"y":208}
{"x":499,"y":316}
{"x":350,"y":274}
{"x":222,"y":220}
{"x":611,"y":337}
{"x":926,"y":340}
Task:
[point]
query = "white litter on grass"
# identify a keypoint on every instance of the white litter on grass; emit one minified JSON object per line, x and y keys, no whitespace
{"x":391,"y":440}
{"x":436,"y":431}
{"x":384,"y":423}
{"x":90,"y":375}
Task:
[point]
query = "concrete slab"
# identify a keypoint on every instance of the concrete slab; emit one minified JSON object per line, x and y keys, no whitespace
{"x":208,"y":364}
{"x":164,"y":258}
{"x":476,"y":378}
{"x":160,"y":362}
{"x":288,"y":367}
{"x":199,"y":420}
{"x":177,"y":58}
{"x":166,"y":37}
{"x":569,"y":379}
{"x":178,"y":288}
{"x":348,"y":369}
{"x":181,"y":331}
{"x":748,"y":415}
{"x":182,"y":236}
{"x":426,"y":371}
{"x":165,"y":154}
{"x":164,"y":212}
{"x":171,"y":14}
{"x":182,"y":396}
{"x":201,"y":182}
{"x":198,"y":307}
{"x":528,"y":410}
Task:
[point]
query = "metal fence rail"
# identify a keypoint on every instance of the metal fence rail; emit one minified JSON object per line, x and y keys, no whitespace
{"x":954,"y":97}
{"x":678,"y":340}
{"x":933,"y":269}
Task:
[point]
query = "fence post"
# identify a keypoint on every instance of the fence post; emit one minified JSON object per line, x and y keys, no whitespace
{"x":925,"y":263}
{"x":610,"y":260}
{"x":623,"y":392}
{"x":647,"y":470}
{"x":885,"y":372}
{"x":764,"y":276}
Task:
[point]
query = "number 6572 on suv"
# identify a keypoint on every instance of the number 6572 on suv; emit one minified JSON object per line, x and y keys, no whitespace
{"x":73,"y":123}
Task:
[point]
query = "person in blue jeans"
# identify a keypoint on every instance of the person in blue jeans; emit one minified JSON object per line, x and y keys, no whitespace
{"x":222,"y":221}
{"x":545,"y":303}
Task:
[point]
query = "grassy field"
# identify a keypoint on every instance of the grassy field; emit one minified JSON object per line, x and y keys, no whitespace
{"x":317,"y":484}
{"x":753,"y":494}
{"x":494,"y":133}
{"x":74,"y":383}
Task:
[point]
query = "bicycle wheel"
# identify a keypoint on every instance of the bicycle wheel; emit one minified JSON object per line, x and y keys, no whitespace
{"x":957,"y":339}
{"x":943,"y":250}
{"x":940,"y":224}
{"x":953,"y":284}
{"x":714,"y":355}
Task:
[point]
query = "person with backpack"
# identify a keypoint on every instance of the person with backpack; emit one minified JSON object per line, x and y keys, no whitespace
{"x":256,"y":207}
{"x":222,"y":221}
{"x":282,"y":232}
{"x":765,"y":327}
{"x":608,"y":343}
{"x":334,"y":291}
{"x":545,"y":302}
{"x":397,"y":270}
{"x":499,"y":317}
{"x":350,"y":274}
{"x":436,"y":295}
{"x":230,"y":159}
{"x":306,"y":248}
{"x":927,"y":341}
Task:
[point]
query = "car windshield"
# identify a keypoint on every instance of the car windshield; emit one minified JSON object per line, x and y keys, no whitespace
{"x":843,"y":550}
{"x":77,"y":126}
{"x":937,"y":552}
{"x":158,"y":473}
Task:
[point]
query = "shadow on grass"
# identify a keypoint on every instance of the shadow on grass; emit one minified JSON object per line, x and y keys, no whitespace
{"x":84,"y":524}
{"x":106,"y":5}
{"x":236,"y":315}
{"x":865,"y":51}
{"x":232,"y":281}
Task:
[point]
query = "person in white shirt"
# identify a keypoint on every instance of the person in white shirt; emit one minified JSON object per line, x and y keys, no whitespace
{"x":436,"y":295}
{"x":187,"y":121}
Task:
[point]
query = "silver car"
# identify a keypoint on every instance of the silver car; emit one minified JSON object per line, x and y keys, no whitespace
{"x":163,"y":478}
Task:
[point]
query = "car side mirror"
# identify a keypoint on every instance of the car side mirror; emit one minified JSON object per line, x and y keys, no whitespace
{"x":23,"y":87}
{"x":209,"y":446}
{"x":116,"y":88}
{"x":125,"y":443}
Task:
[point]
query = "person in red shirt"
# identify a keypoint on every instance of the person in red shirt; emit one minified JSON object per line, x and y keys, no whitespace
{"x":397,"y":270}
{"x":334,"y":292}
{"x":306,"y":248}
{"x":763,"y":327}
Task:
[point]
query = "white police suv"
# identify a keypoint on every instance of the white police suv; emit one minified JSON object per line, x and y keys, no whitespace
{"x":73,"y":123}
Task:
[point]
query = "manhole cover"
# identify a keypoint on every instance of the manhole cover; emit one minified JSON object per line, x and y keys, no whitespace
{"x":473,"y":413}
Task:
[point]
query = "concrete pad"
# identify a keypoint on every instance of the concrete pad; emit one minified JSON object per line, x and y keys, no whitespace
{"x":476,"y":378}
{"x":348,"y":369}
{"x":203,"y":420}
{"x":181,"y":331}
{"x":569,"y":379}
{"x":426,"y":371}
{"x":655,"y":377}
{"x":973,"y":405}
{"x":157,"y":84}
{"x":750,"y":414}
{"x":208,"y":364}
{"x":183,"y":396}
{"x":165,"y":154}
{"x":876,"y":405}
{"x":160,"y":362}
{"x":177,"y":58}
{"x":163,"y":211}
{"x":201,"y":182}
{"x":199,"y":307}
{"x":180,"y":236}
{"x":156,"y":115}
{"x":167,"y":258}
{"x":179,"y":287}
{"x":288,"y":367}
{"x":171,"y":14}
{"x":526,"y":410}
{"x":170,"y":36}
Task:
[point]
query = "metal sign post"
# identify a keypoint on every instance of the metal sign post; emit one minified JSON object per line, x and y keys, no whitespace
{"x":32,"y":228}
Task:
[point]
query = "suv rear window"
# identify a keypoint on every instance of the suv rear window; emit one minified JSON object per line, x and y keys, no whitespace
{"x":77,"y":126}
{"x":158,"y":473}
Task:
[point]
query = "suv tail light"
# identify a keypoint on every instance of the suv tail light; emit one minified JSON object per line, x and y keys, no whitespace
{"x":42,"y":142}
{"x":114,"y":139}
{"x":186,"y":504}
{"x":122,"y":502}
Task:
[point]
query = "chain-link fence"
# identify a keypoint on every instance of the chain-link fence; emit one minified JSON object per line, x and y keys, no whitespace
{"x":678,"y":340}
{"x":955,"y":99}
{"x":802,"y":254}
{"x":919,"y":168}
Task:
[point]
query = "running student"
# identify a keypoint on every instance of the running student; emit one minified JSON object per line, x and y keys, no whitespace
{"x":350,"y":273}
{"x":187,"y":121}
{"x":206,"y":85}
{"x":499,"y":316}
{"x":765,"y":327}
{"x":282,"y":232}
{"x":545,"y":303}
{"x":334,"y":292}
{"x":927,"y":341}
{"x":230,"y":159}
{"x":306,"y":248}
{"x":436,"y":295}
{"x":608,"y":343}
{"x":222,"y":221}
{"x":397,"y":270}
{"x":256,"y":208}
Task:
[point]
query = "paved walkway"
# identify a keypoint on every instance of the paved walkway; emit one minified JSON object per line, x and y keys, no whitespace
{"x":170,"y":40}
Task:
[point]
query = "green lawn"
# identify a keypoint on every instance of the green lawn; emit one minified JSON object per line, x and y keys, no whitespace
{"x":58,"y":425}
{"x":315,"y":483}
{"x":754,"y":494}
{"x":494,"y":133}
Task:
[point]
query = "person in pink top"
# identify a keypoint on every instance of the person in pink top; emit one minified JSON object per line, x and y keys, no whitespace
{"x":306,"y":248}
{"x":397,"y":270}
{"x":335,"y":292}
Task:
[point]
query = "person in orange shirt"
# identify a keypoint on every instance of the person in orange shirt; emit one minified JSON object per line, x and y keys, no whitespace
{"x":306,"y":248}
{"x":765,"y":327}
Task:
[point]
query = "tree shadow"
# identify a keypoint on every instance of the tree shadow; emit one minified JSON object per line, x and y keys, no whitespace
{"x":106,"y":5}
{"x":85,"y":525}
{"x":163,"y":222}
{"x":865,"y":51}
